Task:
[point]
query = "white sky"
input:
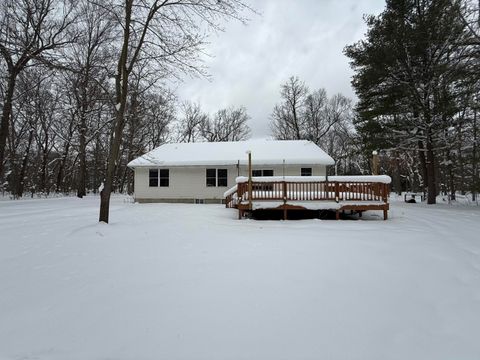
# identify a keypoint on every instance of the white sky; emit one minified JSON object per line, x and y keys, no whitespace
{"x":289,"y":37}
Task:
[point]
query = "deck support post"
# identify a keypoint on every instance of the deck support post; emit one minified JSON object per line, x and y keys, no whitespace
{"x":337,"y":215}
{"x":285,"y":217}
{"x":385,"y":214}
{"x":240,"y":214}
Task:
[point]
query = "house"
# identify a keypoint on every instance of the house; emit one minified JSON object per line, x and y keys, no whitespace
{"x":202,"y":172}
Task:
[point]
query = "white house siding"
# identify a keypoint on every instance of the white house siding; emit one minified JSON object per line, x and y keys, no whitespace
{"x":189,"y":183}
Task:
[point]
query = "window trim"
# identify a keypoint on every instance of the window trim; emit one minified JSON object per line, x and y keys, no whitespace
{"x":210,"y":177}
{"x":158,"y":177}
{"x":223,"y":177}
{"x":150,"y":177}
{"x":215,"y":178}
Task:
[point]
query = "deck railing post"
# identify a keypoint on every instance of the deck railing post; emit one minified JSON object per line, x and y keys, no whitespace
{"x":241,"y":191}
{"x":250,"y":195}
{"x":337,"y":192}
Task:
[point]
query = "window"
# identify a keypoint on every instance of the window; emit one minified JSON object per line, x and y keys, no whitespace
{"x":211,"y":177}
{"x":306,"y":172}
{"x":164,"y":177}
{"x":262,"y":172}
{"x":153,"y":177}
{"x":222,"y":177}
{"x":216,"y":177}
{"x":158,"y":177}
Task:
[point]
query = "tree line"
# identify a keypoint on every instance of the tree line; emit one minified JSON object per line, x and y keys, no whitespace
{"x":66,"y":114}
{"x":83,"y":88}
{"x":83,"y":92}
{"x":417,"y":81}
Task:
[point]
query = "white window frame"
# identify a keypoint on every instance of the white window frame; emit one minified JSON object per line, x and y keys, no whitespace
{"x":216,"y":177}
{"x":158,"y":170}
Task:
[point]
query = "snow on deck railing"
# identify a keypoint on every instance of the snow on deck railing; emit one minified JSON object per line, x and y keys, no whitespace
{"x":385,"y":179}
{"x":230,"y":191}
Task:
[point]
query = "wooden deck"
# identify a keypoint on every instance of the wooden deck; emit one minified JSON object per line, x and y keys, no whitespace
{"x":357,"y":196}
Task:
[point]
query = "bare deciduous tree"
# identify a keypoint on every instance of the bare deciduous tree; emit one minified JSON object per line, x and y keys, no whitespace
{"x":29,"y":30}
{"x":327,"y":122}
{"x":89,"y":60}
{"x":286,"y":116}
{"x":303,"y":115}
{"x":191,"y":122}
{"x":227,"y":125}
{"x":167,"y":33}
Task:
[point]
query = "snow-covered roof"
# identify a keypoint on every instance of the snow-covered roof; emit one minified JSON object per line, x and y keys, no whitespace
{"x":264,"y":152}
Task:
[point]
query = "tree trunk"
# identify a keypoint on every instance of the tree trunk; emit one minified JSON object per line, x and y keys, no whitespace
{"x":398,"y":176}
{"x":127,"y":178}
{"x":423,"y":165}
{"x":20,"y":186}
{"x":451,"y":176}
{"x":295,"y":123}
{"x":461,"y":163}
{"x":474,"y":156}
{"x":123,"y":181}
{"x":430,"y":164}
{"x":61,"y":170}
{"x":82,"y":171}
{"x":119,"y":171}
{"x":112,"y":163}
{"x":5,"y":122}
{"x":96,"y":162}
{"x":130,"y":182}
{"x":44,"y":172}
{"x":121,"y":90}
{"x":63,"y":163}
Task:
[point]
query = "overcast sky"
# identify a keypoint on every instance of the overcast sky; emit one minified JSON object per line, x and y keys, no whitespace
{"x":301,"y":37}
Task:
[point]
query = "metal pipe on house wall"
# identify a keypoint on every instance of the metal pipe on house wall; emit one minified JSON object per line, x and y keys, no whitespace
{"x":249,"y":179}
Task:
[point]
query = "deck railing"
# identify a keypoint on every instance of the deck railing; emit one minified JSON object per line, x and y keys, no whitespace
{"x":287,"y":190}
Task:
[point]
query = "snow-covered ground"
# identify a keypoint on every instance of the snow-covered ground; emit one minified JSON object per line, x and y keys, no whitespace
{"x":165,"y":281}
